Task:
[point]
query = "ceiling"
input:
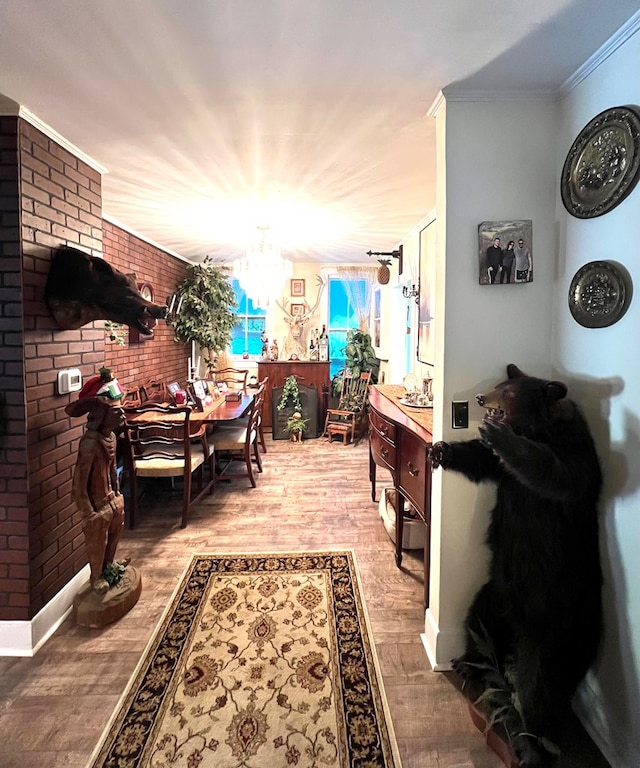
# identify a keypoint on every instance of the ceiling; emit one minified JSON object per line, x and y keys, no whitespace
{"x":213,"y":117}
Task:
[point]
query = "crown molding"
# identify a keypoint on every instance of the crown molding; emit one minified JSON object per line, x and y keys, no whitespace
{"x":451,"y":93}
{"x":436,"y":105}
{"x":11,"y":108}
{"x":145,"y":239}
{"x":617,"y":40}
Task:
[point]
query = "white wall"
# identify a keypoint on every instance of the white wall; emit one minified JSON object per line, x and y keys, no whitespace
{"x":603,"y":368}
{"x":498,"y":163}
{"x":503,"y":160}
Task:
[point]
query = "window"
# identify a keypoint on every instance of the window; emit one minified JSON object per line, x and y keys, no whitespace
{"x":342,"y":318}
{"x":251,"y":323}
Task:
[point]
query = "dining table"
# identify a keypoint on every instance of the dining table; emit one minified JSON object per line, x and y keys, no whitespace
{"x":221,"y":409}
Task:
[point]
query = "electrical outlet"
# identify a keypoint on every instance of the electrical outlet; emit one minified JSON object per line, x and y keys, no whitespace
{"x":460,"y":414}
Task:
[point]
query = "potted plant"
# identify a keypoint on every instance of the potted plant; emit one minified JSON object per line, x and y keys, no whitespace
{"x":295,"y":426}
{"x":359,"y":356}
{"x":495,"y":711}
{"x":206,"y":315}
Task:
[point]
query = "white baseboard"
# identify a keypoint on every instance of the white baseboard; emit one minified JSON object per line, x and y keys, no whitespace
{"x":441,"y":646}
{"x":24,"y":638}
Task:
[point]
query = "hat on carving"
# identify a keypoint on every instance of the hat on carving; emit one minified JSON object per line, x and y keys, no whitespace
{"x":98,"y":392}
{"x":104,"y":385}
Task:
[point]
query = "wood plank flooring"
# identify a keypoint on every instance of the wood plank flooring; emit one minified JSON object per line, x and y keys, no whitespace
{"x":311,"y":496}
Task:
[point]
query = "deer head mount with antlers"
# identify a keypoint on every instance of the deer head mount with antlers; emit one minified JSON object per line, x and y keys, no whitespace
{"x":294,"y":345}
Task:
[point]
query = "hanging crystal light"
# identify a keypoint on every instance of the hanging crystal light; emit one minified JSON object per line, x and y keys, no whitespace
{"x":262,"y":272}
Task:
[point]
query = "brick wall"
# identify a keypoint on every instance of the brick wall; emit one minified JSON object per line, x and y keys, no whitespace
{"x":49,"y":197}
{"x":60,"y":203}
{"x":14,"y":533}
{"x":159,"y":357}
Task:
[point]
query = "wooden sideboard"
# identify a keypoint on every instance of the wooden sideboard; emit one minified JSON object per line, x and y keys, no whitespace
{"x":311,"y":373}
{"x":399,"y":440}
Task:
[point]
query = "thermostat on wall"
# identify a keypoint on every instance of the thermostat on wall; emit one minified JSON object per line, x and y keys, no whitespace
{"x":69,"y":381}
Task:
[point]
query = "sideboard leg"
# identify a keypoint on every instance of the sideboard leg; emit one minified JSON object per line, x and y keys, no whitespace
{"x":399,"y":526}
{"x":372,"y":475}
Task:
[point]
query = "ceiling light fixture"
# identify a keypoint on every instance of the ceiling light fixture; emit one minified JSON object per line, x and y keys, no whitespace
{"x":262,"y":272}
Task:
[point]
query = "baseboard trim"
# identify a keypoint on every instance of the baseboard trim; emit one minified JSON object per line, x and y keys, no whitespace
{"x":25,"y":638}
{"x":441,"y":646}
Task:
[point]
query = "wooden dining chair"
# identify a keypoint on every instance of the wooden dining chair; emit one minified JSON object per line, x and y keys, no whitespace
{"x":155,"y":391}
{"x":134,"y":396}
{"x":237,"y":444}
{"x":234,"y":378}
{"x":158,"y":443}
{"x":351,"y":414}
{"x":260,"y":397}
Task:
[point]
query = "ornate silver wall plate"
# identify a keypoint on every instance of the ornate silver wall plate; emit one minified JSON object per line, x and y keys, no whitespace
{"x":599,"y":294}
{"x":603,"y":164}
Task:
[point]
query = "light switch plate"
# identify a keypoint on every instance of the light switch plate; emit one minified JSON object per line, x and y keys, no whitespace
{"x":460,"y":414}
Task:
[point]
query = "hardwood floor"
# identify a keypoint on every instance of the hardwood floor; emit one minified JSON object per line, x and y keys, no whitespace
{"x":312,"y":495}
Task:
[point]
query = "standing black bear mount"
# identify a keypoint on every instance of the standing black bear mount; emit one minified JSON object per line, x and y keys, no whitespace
{"x":83,"y":288}
{"x":535,"y":625}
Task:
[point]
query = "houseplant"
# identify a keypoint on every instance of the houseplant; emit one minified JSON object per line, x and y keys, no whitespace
{"x":295,"y":426}
{"x":290,"y":391}
{"x":495,"y":708}
{"x":207,"y":303}
{"x":360,"y":356}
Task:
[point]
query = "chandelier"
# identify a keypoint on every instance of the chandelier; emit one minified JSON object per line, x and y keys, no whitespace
{"x":262,"y":272}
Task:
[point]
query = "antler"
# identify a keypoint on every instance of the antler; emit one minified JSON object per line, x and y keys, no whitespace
{"x":310,"y":310}
{"x":286,"y":311}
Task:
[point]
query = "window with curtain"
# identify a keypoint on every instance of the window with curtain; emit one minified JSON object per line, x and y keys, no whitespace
{"x":251,"y":322}
{"x":343,"y":317}
{"x":350,"y":296}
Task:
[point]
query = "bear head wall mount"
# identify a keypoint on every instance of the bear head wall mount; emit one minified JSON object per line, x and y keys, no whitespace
{"x":82,"y":288}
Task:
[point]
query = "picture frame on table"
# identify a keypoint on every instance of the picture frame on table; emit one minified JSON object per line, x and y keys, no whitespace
{"x":297,"y":287}
{"x":212,"y":388}
{"x":172,"y":388}
{"x":199,"y":393}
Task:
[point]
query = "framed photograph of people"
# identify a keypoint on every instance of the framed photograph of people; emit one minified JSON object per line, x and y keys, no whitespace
{"x":505,"y":252}
{"x":297,"y":287}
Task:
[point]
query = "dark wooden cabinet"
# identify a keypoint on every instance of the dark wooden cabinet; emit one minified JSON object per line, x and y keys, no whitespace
{"x":399,"y":440}
{"x":309,"y":373}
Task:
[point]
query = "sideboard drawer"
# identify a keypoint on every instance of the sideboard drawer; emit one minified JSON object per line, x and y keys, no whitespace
{"x":414,"y":474}
{"x":382,"y":451}
{"x":383,"y":426}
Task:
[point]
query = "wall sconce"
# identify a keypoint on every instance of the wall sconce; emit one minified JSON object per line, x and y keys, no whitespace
{"x":411,"y":292}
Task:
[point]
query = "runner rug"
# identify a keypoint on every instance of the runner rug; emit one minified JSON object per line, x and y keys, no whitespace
{"x":260,"y":661}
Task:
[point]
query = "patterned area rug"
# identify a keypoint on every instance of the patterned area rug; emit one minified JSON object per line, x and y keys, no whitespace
{"x":260,"y":661}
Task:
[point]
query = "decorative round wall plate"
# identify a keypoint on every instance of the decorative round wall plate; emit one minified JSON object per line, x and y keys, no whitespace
{"x":603,"y":164}
{"x":599,"y":294}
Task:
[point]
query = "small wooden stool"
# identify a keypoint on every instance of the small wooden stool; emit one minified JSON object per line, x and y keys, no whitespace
{"x":335,"y":428}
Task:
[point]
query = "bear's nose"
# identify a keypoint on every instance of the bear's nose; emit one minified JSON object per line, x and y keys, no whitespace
{"x":481,"y":399}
